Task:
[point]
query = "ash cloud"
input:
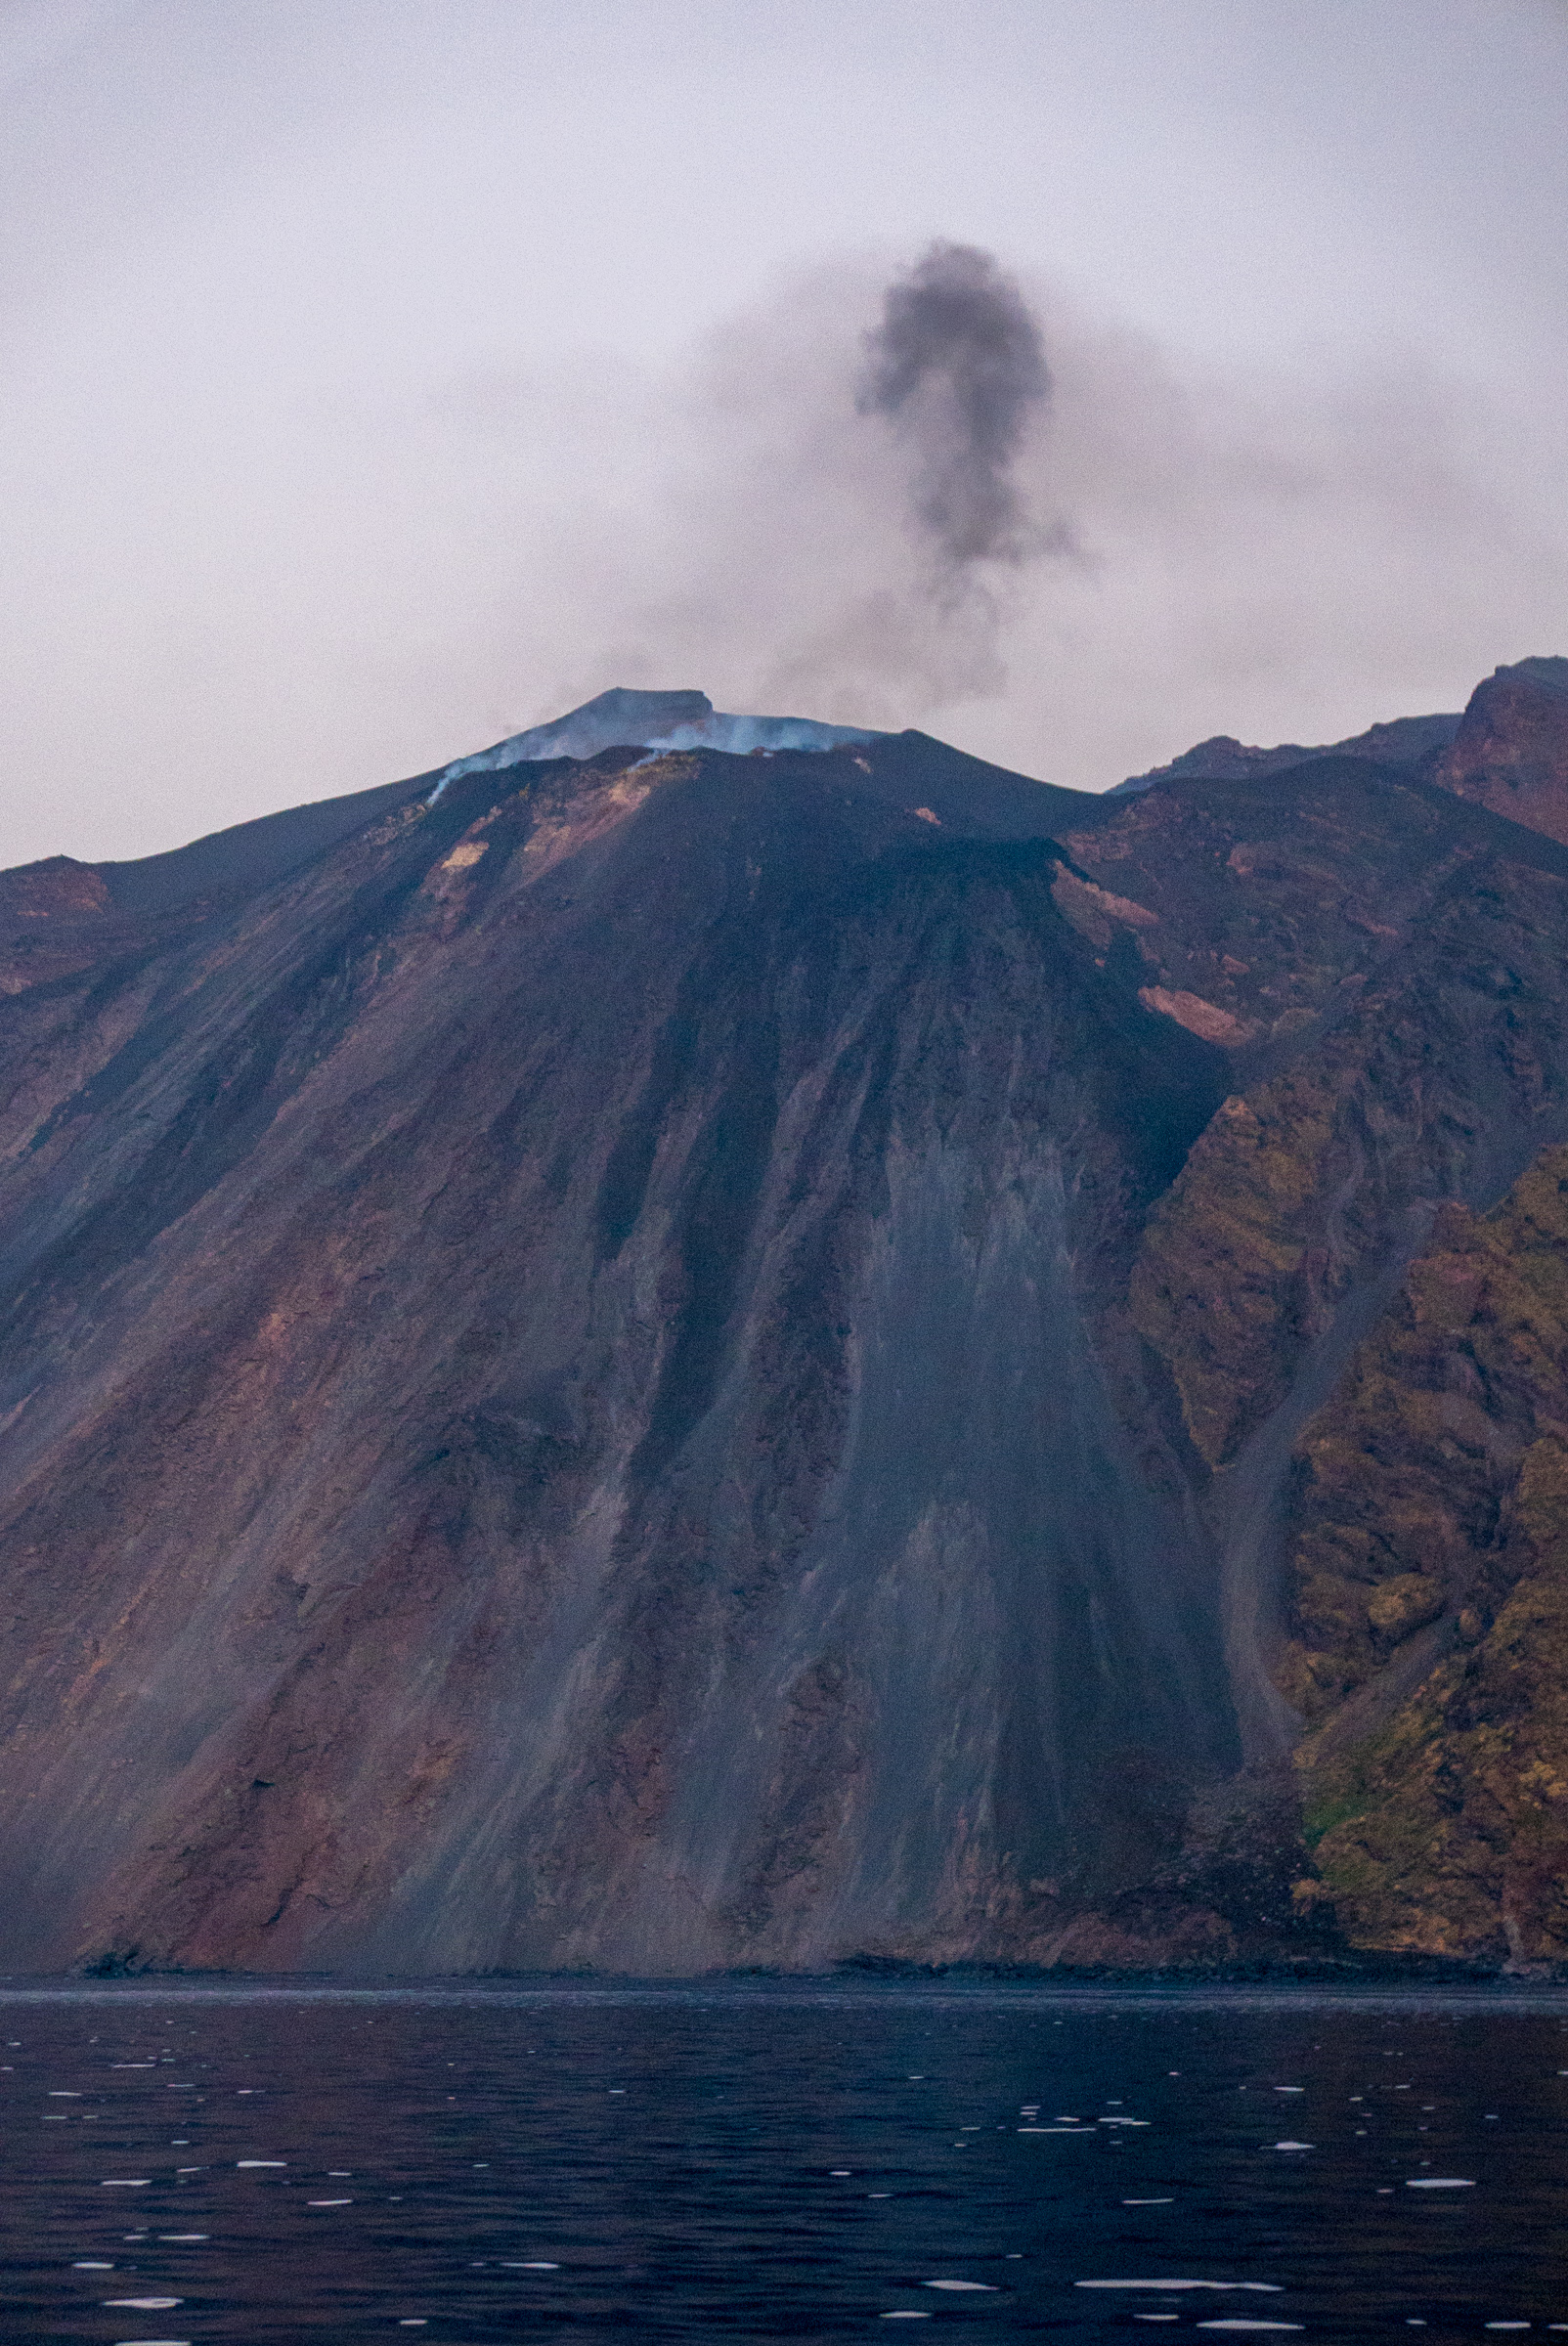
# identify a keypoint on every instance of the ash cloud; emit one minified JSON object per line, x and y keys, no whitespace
{"x":957,"y":363}
{"x":837,"y":504}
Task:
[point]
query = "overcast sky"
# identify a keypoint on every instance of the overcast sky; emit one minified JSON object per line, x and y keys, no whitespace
{"x":379,"y":376}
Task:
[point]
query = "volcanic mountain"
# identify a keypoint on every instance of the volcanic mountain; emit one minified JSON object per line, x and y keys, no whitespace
{"x":709,"y":1341}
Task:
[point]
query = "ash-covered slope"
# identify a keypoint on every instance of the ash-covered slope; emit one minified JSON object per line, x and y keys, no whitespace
{"x":550,"y":1415}
{"x":617,"y":1364}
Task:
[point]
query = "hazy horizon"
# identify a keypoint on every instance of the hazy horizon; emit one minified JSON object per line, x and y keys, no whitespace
{"x":384,"y":379}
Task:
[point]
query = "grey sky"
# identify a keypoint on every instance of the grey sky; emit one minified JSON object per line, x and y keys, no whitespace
{"x":380,"y":375}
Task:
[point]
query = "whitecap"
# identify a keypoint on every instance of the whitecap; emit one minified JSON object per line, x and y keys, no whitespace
{"x":989,"y":2285}
{"x":125,"y":2183}
{"x":1440,"y":2182}
{"x":1295,"y":2146}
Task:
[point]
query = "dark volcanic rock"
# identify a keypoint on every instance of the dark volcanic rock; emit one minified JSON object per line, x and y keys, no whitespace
{"x":687,"y":1360}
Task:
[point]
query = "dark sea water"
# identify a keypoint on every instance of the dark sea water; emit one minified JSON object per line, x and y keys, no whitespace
{"x":778,"y":2162}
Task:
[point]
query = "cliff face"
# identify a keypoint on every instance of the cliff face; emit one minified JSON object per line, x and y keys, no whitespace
{"x":676,"y":1359}
{"x":1511,"y":753}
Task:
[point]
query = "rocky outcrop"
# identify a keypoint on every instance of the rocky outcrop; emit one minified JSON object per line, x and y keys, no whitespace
{"x":1511,"y":753}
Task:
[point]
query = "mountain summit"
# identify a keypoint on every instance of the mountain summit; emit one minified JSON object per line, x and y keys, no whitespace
{"x":653,"y":721}
{"x":636,"y":1355}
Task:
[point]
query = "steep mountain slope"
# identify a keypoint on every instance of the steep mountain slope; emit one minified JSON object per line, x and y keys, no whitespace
{"x":677,"y":1358}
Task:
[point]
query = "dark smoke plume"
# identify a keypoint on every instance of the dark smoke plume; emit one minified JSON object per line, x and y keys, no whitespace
{"x":957,"y":361}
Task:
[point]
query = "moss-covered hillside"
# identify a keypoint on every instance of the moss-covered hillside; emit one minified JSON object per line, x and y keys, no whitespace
{"x":1429,"y":1598}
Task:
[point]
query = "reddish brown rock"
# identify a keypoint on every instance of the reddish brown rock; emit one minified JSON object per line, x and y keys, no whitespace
{"x":1510,"y":754}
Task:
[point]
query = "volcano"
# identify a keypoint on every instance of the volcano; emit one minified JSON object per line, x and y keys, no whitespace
{"x":703,"y":1341}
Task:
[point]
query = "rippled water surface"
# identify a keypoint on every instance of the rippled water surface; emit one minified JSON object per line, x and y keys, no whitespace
{"x":215,"y":2163}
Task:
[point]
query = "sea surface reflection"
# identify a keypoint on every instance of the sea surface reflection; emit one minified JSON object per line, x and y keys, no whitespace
{"x":778,"y":2160}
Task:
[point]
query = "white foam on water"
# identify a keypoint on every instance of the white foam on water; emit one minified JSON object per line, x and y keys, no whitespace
{"x":1149,"y":2203}
{"x":1295,"y":2146}
{"x":1439,"y":2183}
{"x":908,"y":2314}
{"x":1266,"y":2288}
{"x":125,"y":2183}
{"x":145,"y":2305}
{"x":329,"y":2203}
{"x":989,"y":2285}
{"x":91,"y":2264}
{"x":184,"y":2236}
{"x":1237,"y":2324}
